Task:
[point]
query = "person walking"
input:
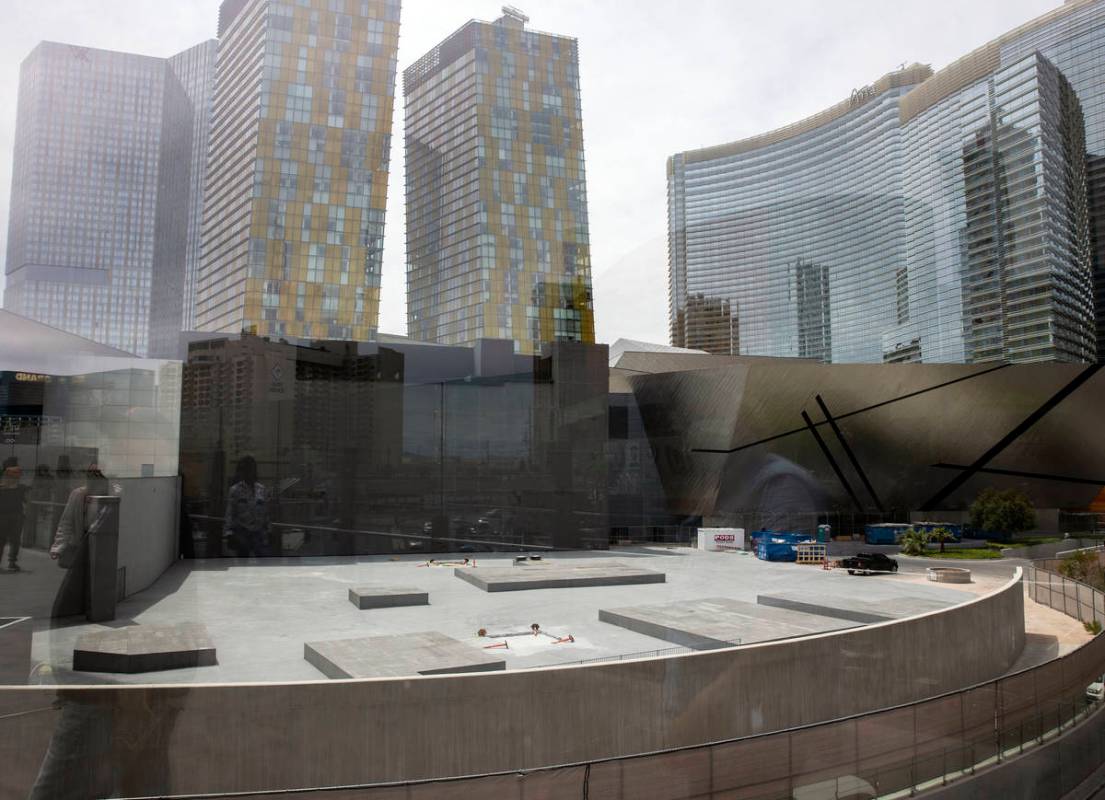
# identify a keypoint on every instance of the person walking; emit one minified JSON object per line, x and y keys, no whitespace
{"x":246,"y":522}
{"x":13,"y":503}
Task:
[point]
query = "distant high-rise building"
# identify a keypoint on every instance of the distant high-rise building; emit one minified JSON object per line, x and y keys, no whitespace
{"x":298,"y":168}
{"x":708,"y":324}
{"x":497,"y":238}
{"x":102,"y":190}
{"x":813,"y":311}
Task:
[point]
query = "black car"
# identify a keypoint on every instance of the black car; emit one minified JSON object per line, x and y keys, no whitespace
{"x":867,"y":563}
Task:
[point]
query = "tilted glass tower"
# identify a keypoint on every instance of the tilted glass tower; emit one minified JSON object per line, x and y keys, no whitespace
{"x":497,"y":238}
{"x":298,"y":168}
{"x":104,"y":191}
{"x":957,"y":217}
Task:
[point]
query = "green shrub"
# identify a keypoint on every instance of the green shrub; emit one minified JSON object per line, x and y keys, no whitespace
{"x":1085,"y":567}
{"x":1077,"y":566}
{"x":1092,"y":627}
{"x":913,"y":542}
{"x":1002,"y":512}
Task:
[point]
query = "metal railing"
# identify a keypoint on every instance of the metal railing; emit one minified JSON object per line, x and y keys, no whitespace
{"x":428,"y":541}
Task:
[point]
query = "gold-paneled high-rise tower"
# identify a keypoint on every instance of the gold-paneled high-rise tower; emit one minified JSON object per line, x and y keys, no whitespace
{"x":298,"y":168}
{"x":497,"y":237}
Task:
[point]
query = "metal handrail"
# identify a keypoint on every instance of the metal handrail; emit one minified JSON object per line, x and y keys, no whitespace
{"x":388,"y":534}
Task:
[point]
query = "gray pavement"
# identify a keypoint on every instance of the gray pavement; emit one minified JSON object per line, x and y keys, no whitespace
{"x":259,"y":613}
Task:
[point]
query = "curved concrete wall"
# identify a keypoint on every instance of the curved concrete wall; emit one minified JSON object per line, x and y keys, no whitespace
{"x":209,"y":739}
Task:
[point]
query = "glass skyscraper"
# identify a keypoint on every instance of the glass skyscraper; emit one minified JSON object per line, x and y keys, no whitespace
{"x":298,"y":168}
{"x":102,"y":192}
{"x":948,"y":217}
{"x":173,"y":287}
{"x":998,"y":248}
{"x":497,"y":238}
{"x":797,"y":233}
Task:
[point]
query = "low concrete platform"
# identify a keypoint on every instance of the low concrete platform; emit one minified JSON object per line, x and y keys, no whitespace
{"x":144,"y":648}
{"x":259,"y":612}
{"x":716,"y":622}
{"x":549,"y":575}
{"x":421,"y":653}
{"x":857,"y":609}
{"x":387,"y":597}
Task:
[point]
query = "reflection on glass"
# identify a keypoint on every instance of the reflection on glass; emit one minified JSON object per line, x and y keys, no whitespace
{"x":844,"y":537}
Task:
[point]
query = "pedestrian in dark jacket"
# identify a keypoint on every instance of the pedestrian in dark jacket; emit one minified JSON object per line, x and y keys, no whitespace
{"x":13,"y":501}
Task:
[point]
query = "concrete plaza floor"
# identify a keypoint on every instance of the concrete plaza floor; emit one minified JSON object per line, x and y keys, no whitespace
{"x":259,"y":613}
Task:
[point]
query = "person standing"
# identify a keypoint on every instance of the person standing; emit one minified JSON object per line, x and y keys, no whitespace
{"x":13,"y":499}
{"x":70,"y":547}
{"x":247,"y":512}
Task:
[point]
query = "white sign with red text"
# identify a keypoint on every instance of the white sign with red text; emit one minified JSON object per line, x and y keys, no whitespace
{"x":714,"y":539}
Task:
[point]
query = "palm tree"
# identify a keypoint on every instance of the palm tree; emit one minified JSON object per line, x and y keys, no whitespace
{"x":913,"y":542}
{"x":941,"y":535}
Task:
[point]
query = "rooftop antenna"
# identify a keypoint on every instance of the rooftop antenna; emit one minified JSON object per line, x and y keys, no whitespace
{"x":515,"y":13}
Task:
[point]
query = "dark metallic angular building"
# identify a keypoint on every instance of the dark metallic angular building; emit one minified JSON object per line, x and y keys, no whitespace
{"x":787,"y":443}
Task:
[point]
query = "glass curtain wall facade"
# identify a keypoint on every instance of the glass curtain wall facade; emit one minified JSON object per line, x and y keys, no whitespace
{"x":409,"y":447}
{"x":1072,"y":38}
{"x":998,"y":256}
{"x":298,"y":168}
{"x":184,"y":163}
{"x":797,"y":234}
{"x":990,"y":246}
{"x":101,"y":198}
{"x":497,"y":236}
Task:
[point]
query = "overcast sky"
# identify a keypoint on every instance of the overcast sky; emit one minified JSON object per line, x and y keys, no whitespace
{"x":657,"y":76}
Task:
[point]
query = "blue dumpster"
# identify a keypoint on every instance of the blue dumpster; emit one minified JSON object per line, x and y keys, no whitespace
{"x":885,"y":533}
{"x":773,"y":548}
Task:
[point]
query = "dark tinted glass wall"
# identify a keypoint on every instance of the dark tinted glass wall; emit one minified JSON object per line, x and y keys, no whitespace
{"x":375,"y":449}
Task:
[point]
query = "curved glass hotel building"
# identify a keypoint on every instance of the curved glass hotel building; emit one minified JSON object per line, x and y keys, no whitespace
{"x":947,"y":217}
